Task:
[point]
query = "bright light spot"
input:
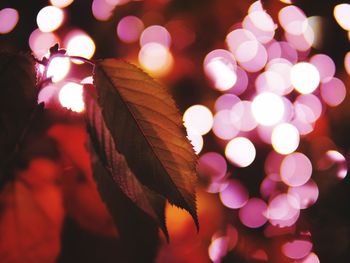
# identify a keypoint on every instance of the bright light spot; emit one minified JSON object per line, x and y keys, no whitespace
{"x":240,"y":151}
{"x":311,"y":258}
{"x":347,"y":61}
{"x":305,"y":77}
{"x":212,"y":166}
{"x":339,"y":159}
{"x":218,"y":248}
{"x":241,"y":83}
{"x":129,"y":29}
{"x":282,"y":210}
{"x":342,"y":15}
{"x":296,"y":169}
{"x":223,"y":127}
{"x":41,"y":42}
{"x":46,"y":94}
{"x":286,"y":1}
{"x":49,"y":18}
{"x":58,"y":68}
{"x":293,"y":20}
{"x":282,"y":52}
{"x":253,"y":213}
{"x":61,"y":3}
{"x":297,"y":249}
{"x":325,"y":66}
{"x":237,"y":37}
{"x":226,"y":102}
{"x":219,"y":65}
{"x":333,"y":92}
{"x":317,"y":24}
{"x":155,"y":58}
{"x":272,"y":81}
{"x":235,"y":195}
{"x":80,"y":44}
{"x":87,"y":80}
{"x":304,"y":41}
{"x":306,"y":194}
{"x":155,"y":34}
{"x":196,"y":140}
{"x":242,"y":116}
{"x":310,"y":104}
{"x":102,"y":10}
{"x":285,"y":138}
{"x":71,"y":97}
{"x":9,"y":18}
{"x":199,"y":118}
{"x":267,"y":108}
{"x":261,"y":25}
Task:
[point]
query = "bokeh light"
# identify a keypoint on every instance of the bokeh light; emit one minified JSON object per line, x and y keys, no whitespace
{"x":282,"y":210}
{"x":333,"y":92}
{"x":199,"y":118}
{"x":71,"y":97}
{"x":235,"y":195}
{"x":155,"y":34}
{"x":305,"y":77}
{"x":102,"y":10}
{"x":325,"y":66}
{"x":223,"y":127}
{"x":49,"y":18}
{"x":297,"y":249}
{"x":242,"y":117}
{"x":129,"y":29}
{"x":253,"y":213}
{"x":212,"y":166}
{"x":58,"y":68}
{"x":306,"y":194}
{"x":267,"y":108}
{"x":341,"y":14}
{"x":347,"y":62}
{"x":78,"y":43}
{"x":218,"y":248}
{"x":240,"y":151}
{"x":293,"y":20}
{"x":285,"y":138}
{"x":296,"y":169}
{"x":61,"y":3}
{"x":196,"y":140}
{"x":9,"y":18}
{"x":40,"y":42}
{"x":311,"y":258}
{"x":337,"y":158}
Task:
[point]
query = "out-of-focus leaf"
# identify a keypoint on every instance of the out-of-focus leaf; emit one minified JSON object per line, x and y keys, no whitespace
{"x":115,"y":164}
{"x":17,"y":101}
{"x":31,"y":215}
{"x":147,"y":130}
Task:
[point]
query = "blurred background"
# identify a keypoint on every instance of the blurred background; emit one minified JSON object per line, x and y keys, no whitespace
{"x":262,"y":86}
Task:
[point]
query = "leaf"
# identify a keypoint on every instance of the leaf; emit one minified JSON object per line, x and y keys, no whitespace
{"x":147,"y":129}
{"x":115,"y":164}
{"x":31,"y":215}
{"x":17,"y":101}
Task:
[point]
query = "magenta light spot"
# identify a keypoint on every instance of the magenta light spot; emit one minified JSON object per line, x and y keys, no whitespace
{"x":242,"y":116}
{"x":212,"y":166}
{"x":223,"y":128}
{"x":226,"y":102}
{"x":297,"y":249}
{"x":241,"y":82}
{"x":282,"y":50}
{"x":311,"y":258}
{"x":253,"y":213}
{"x":313,"y":104}
{"x":282,"y":210}
{"x":129,"y":29}
{"x":155,"y":34}
{"x":325,"y":66}
{"x":273,"y":162}
{"x":218,"y":248}
{"x":306,"y":194}
{"x":292,"y":19}
{"x":333,"y":92}
{"x":235,"y":195}
{"x":296,"y":169}
{"x":9,"y":18}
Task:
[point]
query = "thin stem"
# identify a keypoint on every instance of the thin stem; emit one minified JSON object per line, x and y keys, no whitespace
{"x":85,"y":60}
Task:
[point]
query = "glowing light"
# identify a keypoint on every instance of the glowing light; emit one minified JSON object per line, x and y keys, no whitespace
{"x":241,"y":83}
{"x":155,"y":58}
{"x":285,"y":138}
{"x":261,"y":25}
{"x":333,"y":92}
{"x":129,"y":29}
{"x":267,"y":108}
{"x":339,"y":159}
{"x":223,"y":127}
{"x":9,"y":18}
{"x":341,"y":14}
{"x":296,"y":169}
{"x":305,"y":77}
{"x":80,"y":44}
{"x":253,"y":213}
{"x":218,"y":248}
{"x":271,"y":81}
{"x":46,"y":94}
{"x":240,"y":151}
{"x":199,"y":118}
{"x":325,"y":66}
{"x":297,"y":249}
{"x":282,"y":52}
{"x":304,"y":41}
{"x":71,"y":97}
{"x":102,"y":10}
{"x":347,"y":61}
{"x":311,"y":104}
{"x":49,"y":18}
{"x":196,"y":140}
{"x":235,"y":195}
{"x":242,"y":116}
{"x":306,"y":194}
{"x":282,"y":210}
{"x":226,"y":102}
{"x":58,"y":68}
{"x":219,"y":65}
{"x":40,"y":42}
{"x":293,"y":20}
{"x":311,"y":258}
{"x":155,"y":34}
{"x":212,"y":166}
{"x":87,"y":80}
{"x":61,"y":3}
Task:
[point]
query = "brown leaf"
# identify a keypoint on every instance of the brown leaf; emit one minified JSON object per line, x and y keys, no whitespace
{"x":147,"y":129}
{"x":115,"y":164}
{"x":31,"y":216}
